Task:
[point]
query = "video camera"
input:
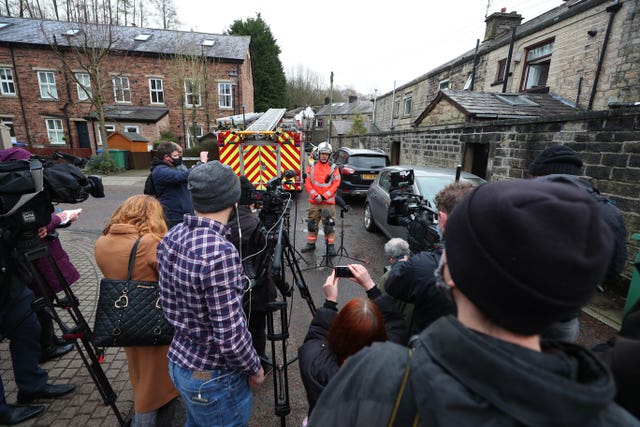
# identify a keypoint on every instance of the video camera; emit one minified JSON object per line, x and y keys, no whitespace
{"x":28,"y":189}
{"x":409,"y":209}
{"x":273,"y":200}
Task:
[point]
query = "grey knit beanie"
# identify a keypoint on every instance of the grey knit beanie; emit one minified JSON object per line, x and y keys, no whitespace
{"x":213,"y":187}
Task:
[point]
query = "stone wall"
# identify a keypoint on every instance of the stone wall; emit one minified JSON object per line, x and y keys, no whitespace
{"x":608,"y":141}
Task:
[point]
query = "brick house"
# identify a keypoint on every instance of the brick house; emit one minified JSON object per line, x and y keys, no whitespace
{"x":584,"y":52}
{"x":154,"y":81}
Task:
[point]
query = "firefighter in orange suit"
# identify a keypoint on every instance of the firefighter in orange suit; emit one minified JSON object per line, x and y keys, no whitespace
{"x":323,"y":180}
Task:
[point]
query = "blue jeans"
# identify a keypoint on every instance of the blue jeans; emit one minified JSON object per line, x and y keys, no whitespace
{"x":213,"y":398}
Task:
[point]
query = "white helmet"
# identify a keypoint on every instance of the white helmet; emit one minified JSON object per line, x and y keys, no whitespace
{"x":325,"y":147}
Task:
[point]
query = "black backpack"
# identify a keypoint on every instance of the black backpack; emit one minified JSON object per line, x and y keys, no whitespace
{"x":149,"y":186}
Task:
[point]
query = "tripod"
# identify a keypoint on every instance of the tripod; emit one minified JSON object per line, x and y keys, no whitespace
{"x":280,"y":255}
{"x":29,"y":251}
{"x":342,"y":251}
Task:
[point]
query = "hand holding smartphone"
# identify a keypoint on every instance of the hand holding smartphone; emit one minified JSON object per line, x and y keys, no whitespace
{"x":343,"y":271}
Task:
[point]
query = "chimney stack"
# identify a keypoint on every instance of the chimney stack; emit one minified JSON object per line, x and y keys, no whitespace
{"x":353,"y":98}
{"x":500,"y":23}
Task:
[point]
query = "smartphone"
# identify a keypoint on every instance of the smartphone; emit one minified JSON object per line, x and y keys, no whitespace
{"x":343,"y":271}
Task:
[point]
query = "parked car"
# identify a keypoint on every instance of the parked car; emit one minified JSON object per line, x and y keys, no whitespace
{"x":358,"y":168}
{"x":428,"y":181}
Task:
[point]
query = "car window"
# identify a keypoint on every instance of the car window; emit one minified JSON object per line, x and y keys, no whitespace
{"x":385,"y":182}
{"x":430,"y":185}
{"x":371,"y":162}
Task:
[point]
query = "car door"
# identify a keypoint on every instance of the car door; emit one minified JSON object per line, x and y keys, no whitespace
{"x":379,"y":201}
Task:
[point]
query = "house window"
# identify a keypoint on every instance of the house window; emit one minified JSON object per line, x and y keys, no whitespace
{"x":536,"y":66}
{"x":406,"y":105}
{"x":7,"y":87}
{"x":156,"y":91}
{"x":109,"y":129}
{"x":55,"y":131}
{"x":121,"y":89}
{"x":192,"y":93}
{"x":502,"y":67}
{"x":132,"y":129}
{"x":467,"y":83}
{"x":319,"y":123}
{"x":8,"y":122}
{"x":225,"y":95}
{"x":194,"y":132}
{"x":444,"y":84}
{"x":47,"y":82}
{"x":84,"y":86}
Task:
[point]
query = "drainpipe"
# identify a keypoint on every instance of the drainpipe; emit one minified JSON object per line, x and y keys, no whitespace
{"x":330,"y":106}
{"x":393,"y":102}
{"x":24,"y":114}
{"x":475,"y":65}
{"x":375,"y":103}
{"x":613,"y":9}
{"x":508,"y":64}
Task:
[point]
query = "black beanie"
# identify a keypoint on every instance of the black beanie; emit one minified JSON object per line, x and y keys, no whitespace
{"x":213,"y":187}
{"x":556,"y":159}
{"x":246,"y":191}
{"x":527,"y":253}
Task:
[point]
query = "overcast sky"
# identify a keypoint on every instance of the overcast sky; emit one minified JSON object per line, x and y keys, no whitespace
{"x":367,"y":45}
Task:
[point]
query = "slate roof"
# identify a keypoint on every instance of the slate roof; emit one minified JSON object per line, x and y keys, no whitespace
{"x":120,"y":113}
{"x":343,"y":127}
{"x":131,"y":136}
{"x":483,"y":105}
{"x":343,"y":108}
{"x":167,"y":42}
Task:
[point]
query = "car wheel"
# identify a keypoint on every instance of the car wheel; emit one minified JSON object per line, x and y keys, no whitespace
{"x":369,"y":225}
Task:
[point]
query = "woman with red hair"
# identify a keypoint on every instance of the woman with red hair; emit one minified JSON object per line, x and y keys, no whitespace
{"x":334,"y":336}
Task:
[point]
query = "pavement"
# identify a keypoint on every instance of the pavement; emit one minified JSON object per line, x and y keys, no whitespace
{"x":85,"y":407}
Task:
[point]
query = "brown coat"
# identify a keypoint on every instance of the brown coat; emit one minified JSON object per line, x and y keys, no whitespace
{"x":148,"y":366}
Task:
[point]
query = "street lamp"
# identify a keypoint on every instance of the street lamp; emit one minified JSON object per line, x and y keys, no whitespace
{"x":233,"y":74}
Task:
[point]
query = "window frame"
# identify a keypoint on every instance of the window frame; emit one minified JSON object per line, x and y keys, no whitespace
{"x":8,"y":122}
{"x":155,"y":91}
{"x":120,"y":88}
{"x":543,"y":59}
{"x":55,"y":131}
{"x":136,"y":129}
{"x":406,"y":100}
{"x":193,"y":139}
{"x":224,"y":96}
{"x":7,"y":81}
{"x":501,"y":68}
{"x":46,"y":87}
{"x":83,"y":88}
{"x":446,"y":83}
{"x":189,"y":93}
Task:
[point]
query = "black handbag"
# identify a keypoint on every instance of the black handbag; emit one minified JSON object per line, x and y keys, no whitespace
{"x":129,"y":313}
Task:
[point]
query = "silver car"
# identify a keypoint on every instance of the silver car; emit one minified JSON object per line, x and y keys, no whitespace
{"x":428,"y":181}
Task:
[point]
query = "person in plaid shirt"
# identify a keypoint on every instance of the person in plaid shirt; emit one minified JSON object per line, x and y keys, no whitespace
{"x":212,"y":361}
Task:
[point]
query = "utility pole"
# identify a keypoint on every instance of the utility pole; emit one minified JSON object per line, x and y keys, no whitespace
{"x":330,"y":105}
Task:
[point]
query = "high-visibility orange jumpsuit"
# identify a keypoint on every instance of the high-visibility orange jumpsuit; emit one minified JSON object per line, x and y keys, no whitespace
{"x":322,"y":179}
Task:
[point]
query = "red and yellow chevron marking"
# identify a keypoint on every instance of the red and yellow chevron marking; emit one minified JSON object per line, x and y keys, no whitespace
{"x":260,"y":164}
{"x":230,"y":138}
{"x":286,"y":138}
{"x":230,"y":155}
{"x":290,"y":160}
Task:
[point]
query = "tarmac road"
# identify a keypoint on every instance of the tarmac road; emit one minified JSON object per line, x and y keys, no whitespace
{"x":85,"y":407}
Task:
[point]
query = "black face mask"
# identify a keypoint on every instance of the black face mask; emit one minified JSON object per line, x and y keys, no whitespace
{"x":176,"y":162}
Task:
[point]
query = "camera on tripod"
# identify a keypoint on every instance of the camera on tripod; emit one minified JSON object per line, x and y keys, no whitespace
{"x":273,"y":201}
{"x":411,"y":210}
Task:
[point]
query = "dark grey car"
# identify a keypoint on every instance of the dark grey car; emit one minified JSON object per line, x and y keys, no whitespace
{"x":428,"y":181}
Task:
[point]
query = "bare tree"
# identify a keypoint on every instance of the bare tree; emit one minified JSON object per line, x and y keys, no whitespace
{"x":190,"y":69}
{"x":84,"y":47}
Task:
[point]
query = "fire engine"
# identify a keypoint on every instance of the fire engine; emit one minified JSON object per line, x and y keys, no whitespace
{"x":261,"y":152}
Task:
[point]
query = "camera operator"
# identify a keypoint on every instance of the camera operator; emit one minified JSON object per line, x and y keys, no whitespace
{"x":413,"y":280}
{"x":244,"y":223}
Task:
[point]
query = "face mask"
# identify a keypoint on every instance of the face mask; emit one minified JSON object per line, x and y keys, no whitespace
{"x":176,"y":162}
